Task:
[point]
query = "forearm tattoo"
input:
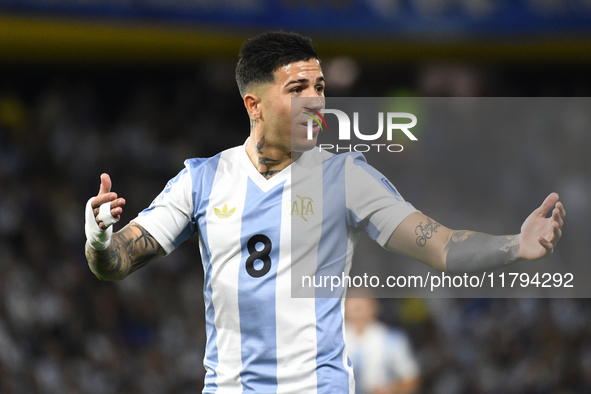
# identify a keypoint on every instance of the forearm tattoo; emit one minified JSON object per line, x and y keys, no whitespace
{"x":425,"y":231}
{"x":130,"y":249}
{"x":468,"y":251}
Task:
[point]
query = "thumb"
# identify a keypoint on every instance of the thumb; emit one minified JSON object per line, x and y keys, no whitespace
{"x":548,"y":204}
{"x":105,"y":184}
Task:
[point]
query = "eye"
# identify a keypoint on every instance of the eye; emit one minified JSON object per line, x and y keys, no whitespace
{"x":320,"y":88}
{"x":297,"y":89}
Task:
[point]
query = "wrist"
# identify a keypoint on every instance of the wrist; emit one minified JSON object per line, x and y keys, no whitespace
{"x":478,"y":252}
{"x":98,"y":239}
{"x":518,"y":250}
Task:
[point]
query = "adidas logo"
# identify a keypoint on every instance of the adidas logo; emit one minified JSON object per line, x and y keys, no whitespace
{"x":224,"y":213}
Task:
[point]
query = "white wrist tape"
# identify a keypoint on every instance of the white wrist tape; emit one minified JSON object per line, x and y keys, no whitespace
{"x":98,"y":238}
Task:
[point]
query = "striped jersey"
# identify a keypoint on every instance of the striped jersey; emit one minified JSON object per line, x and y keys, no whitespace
{"x":381,"y":356}
{"x":252,"y":230}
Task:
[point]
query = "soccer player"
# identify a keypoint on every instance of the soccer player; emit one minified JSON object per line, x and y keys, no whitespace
{"x":239,"y":204}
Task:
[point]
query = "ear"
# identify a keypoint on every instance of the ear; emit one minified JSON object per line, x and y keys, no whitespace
{"x":252,"y":102}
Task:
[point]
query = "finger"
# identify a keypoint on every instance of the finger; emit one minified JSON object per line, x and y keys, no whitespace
{"x":117,"y":207}
{"x":548,"y":204}
{"x":546,"y":245}
{"x":555,"y":236}
{"x":561,"y":209}
{"x":105,"y":184}
{"x":557,"y":217}
{"x":557,"y":232}
{"x":117,"y":203}
{"x":116,"y":212}
{"x":103,"y":198}
{"x":102,"y":225}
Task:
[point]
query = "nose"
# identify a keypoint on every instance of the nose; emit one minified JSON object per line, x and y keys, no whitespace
{"x":315,"y":101}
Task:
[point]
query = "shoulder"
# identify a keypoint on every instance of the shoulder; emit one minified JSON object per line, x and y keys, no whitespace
{"x":211,"y":163}
{"x":315,"y":157}
{"x":199,"y":174}
{"x":348,"y":157}
{"x":343,"y":162}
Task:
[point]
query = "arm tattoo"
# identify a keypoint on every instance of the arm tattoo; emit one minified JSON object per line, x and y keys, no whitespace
{"x":425,"y":232}
{"x":130,"y":249}
{"x":143,"y":249}
{"x":145,"y":239}
{"x":107,"y":264}
{"x":468,"y":251}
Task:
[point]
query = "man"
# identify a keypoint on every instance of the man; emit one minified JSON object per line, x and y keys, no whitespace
{"x":259,"y":338}
{"x":383,"y":360}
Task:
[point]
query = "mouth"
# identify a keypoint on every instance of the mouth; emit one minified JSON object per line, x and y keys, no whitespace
{"x":315,"y":127}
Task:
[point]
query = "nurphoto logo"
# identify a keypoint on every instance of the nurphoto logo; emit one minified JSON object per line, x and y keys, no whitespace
{"x":344,"y":132}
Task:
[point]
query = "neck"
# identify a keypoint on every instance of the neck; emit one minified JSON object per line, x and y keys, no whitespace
{"x":267,"y":158}
{"x":359,"y":326}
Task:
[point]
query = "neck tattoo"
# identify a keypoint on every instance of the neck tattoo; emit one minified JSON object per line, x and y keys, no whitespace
{"x":265,"y":162}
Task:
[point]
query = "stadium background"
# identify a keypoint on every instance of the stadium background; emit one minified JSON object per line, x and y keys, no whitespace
{"x":133,"y":88}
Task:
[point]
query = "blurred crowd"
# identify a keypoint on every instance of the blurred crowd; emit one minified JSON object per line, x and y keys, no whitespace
{"x":64,"y":331}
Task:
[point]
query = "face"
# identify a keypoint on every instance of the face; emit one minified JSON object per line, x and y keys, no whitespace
{"x":360,"y":310}
{"x":300,"y":79}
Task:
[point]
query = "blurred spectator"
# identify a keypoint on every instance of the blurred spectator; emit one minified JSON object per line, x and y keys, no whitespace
{"x":382,"y":357}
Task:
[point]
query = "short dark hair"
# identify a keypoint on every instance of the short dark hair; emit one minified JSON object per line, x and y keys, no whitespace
{"x":262,"y":55}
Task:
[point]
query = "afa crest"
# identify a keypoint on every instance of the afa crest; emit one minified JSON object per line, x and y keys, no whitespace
{"x":303,"y":207}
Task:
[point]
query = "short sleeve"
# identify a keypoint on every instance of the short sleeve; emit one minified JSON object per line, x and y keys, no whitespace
{"x":169,"y":218}
{"x":373,"y":203}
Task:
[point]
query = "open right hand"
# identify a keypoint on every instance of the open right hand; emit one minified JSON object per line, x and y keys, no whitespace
{"x":105,"y":195}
